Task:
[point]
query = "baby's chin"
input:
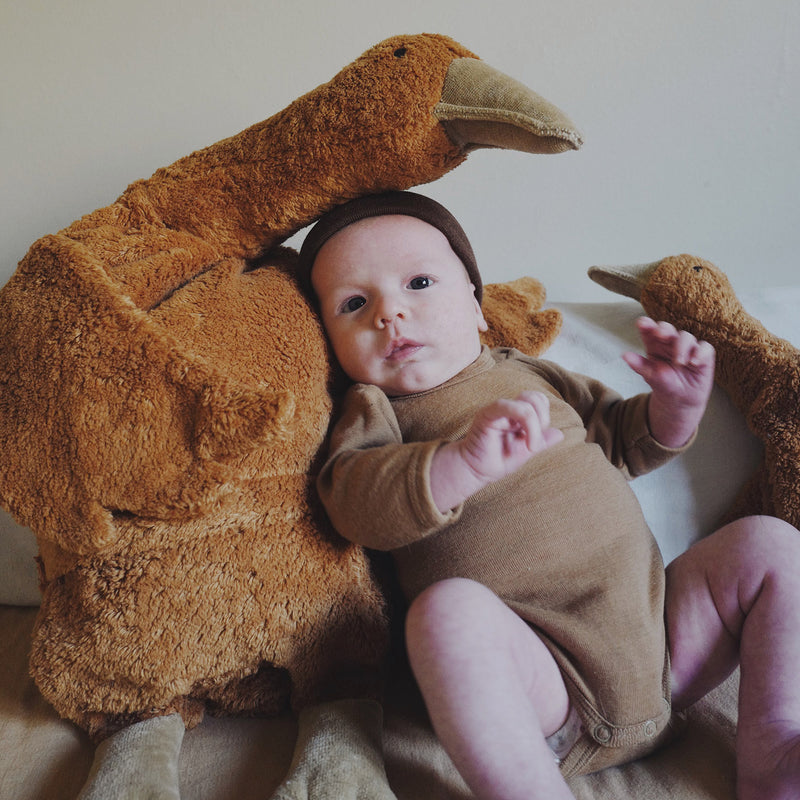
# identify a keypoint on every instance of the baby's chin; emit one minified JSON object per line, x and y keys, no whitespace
{"x":419,"y":378}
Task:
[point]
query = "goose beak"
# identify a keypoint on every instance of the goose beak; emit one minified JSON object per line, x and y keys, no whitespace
{"x":482,"y":107}
{"x":627,"y":281}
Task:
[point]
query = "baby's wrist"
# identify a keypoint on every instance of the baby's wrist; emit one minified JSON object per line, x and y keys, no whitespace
{"x":452,"y":480}
{"x":672,"y":425}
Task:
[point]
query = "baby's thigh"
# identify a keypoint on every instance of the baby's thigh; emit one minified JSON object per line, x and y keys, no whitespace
{"x":458,"y":629}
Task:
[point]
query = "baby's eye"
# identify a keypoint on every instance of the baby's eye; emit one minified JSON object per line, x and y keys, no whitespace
{"x":352,"y":304}
{"x":420,"y":282}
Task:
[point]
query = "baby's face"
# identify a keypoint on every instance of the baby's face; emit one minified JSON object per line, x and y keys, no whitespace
{"x":397,"y":304}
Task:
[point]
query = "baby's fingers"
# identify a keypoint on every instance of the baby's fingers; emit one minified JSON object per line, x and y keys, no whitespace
{"x":524,"y":417}
{"x":516,"y":415}
{"x":540,"y":433}
{"x":664,"y":342}
{"x":702,"y":355}
{"x":660,"y":339}
{"x":539,"y":403}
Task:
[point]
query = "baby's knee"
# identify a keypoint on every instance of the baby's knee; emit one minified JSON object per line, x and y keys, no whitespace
{"x":765,"y":541}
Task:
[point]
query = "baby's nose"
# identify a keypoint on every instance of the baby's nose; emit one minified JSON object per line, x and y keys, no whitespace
{"x":387,"y":311}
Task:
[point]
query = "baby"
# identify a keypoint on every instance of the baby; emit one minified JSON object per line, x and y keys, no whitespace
{"x":545,"y":635}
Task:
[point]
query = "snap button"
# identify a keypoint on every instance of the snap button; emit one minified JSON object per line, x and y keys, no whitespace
{"x":650,"y":729}
{"x":602,"y":733}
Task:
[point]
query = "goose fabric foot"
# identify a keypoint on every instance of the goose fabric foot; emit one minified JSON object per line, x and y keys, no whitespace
{"x":138,"y":763}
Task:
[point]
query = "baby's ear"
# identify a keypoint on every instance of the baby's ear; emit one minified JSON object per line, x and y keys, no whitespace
{"x":482,"y":324}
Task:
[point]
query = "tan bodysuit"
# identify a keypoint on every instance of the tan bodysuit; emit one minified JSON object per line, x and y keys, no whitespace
{"x":562,"y":541}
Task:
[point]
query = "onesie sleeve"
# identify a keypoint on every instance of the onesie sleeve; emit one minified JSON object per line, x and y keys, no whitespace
{"x":375,"y":487}
{"x":618,"y":425}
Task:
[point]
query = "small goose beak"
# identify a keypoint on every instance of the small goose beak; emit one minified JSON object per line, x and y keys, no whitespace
{"x":627,"y":281}
{"x":482,"y":107}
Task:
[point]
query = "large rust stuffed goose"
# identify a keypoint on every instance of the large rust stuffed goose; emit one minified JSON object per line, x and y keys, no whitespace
{"x":164,"y":392}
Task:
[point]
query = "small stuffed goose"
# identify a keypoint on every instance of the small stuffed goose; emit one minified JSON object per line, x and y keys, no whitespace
{"x":759,"y":371}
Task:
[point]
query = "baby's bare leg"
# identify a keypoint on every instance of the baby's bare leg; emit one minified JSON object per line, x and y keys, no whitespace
{"x":734,"y":598}
{"x":492,"y":689}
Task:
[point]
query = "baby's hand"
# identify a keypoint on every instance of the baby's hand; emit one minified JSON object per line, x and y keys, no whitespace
{"x":680,"y":370}
{"x":505,"y":434}
{"x":501,"y":438}
{"x":675,"y":364}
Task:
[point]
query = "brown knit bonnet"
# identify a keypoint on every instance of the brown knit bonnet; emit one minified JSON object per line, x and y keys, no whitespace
{"x":408,"y":204}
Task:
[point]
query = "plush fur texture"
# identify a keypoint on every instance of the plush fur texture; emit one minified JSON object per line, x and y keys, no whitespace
{"x":165,"y":392}
{"x":516,"y":318}
{"x":760,"y":371}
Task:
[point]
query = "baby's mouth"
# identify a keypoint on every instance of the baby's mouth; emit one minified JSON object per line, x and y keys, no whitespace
{"x":401,"y":349}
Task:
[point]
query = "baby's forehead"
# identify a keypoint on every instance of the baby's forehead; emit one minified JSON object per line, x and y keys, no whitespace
{"x":384,"y":240}
{"x":419,"y":218}
{"x":392,"y":247}
{"x":382,"y":229}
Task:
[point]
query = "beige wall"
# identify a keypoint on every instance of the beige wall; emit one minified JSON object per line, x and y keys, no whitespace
{"x":690,"y":110}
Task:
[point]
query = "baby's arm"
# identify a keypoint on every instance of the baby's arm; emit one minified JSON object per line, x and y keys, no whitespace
{"x":680,"y":372}
{"x":502,"y":437}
